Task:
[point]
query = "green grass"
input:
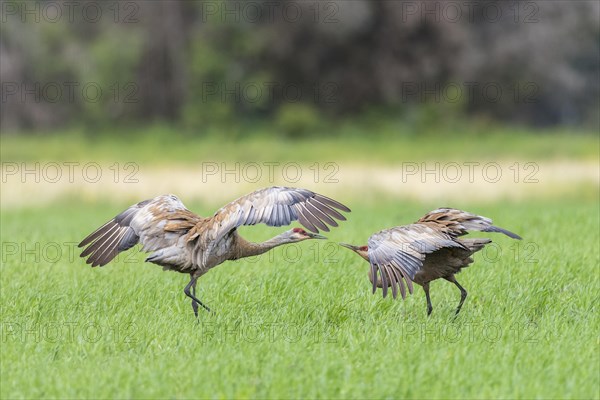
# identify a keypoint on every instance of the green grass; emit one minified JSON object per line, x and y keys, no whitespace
{"x":302,"y":322}
{"x":383,"y":144}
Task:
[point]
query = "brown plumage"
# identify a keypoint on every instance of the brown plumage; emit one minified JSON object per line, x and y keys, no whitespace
{"x":179,"y":240}
{"x":425,"y":251}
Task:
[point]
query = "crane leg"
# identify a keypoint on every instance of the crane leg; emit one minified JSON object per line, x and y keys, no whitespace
{"x":429,"y":306}
{"x":195,"y":301}
{"x":463,"y":292}
{"x":194,"y":304}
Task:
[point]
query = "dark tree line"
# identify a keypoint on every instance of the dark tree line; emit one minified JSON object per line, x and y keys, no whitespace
{"x":197,"y":63}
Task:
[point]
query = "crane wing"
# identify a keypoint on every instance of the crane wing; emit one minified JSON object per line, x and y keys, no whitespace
{"x":277,"y":206}
{"x":397,"y":254}
{"x":157,"y":224}
{"x":458,"y":222}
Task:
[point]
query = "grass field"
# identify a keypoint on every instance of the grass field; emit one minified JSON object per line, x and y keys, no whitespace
{"x":372,"y":145}
{"x":300,"y":321}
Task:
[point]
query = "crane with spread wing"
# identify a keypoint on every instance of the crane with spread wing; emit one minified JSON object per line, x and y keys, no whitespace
{"x":179,"y":240}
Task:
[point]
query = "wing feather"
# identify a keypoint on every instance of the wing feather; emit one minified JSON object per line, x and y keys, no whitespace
{"x":374,"y":269}
{"x":278,"y":206}
{"x":304,"y":220}
{"x":458,"y":223}
{"x":316,"y":221}
{"x":398,"y":281}
{"x":157,"y":224}
{"x":98,"y":232}
{"x":398,"y":253}
{"x":314,"y":209}
{"x":288,"y":213}
{"x":330,"y":202}
{"x":329,"y":210}
{"x":107,"y":231}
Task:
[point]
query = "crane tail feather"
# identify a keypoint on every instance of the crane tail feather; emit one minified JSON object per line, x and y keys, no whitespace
{"x":508,"y":233}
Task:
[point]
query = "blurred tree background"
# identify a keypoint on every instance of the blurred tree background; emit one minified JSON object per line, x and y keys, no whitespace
{"x":198,"y":65}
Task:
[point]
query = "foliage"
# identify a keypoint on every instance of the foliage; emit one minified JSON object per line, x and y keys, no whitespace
{"x":297,"y":120}
{"x":372,"y":138}
{"x":202,"y":63}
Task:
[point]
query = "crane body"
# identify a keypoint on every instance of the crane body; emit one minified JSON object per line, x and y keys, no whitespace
{"x":430,"y":249}
{"x":179,"y":240}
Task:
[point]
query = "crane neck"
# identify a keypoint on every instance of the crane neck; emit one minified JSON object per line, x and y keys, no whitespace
{"x":246,"y":248}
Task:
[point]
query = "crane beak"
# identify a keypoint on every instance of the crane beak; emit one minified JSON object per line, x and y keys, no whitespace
{"x":315,"y":236}
{"x":349,"y":246}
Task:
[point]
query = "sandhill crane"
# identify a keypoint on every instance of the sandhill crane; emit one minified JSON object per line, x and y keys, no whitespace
{"x":182,"y":241}
{"x":425,"y":251}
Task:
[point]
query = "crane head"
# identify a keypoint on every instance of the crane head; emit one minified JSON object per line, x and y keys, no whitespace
{"x":299,"y":234}
{"x":362,"y":251}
